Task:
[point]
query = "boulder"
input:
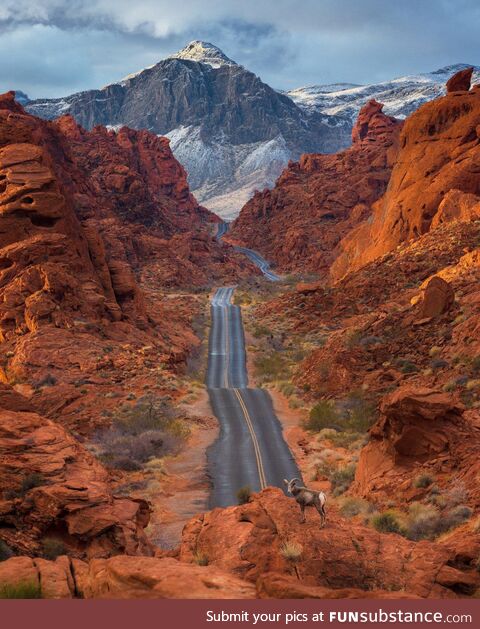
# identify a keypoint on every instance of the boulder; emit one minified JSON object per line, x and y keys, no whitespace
{"x":438,"y":298}
{"x":460,"y":82}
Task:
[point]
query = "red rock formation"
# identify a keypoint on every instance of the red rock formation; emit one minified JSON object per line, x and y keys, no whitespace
{"x":345,"y":559}
{"x":53,"y":488}
{"x":439,"y":152}
{"x":438,"y":298}
{"x":460,"y":82}
{"x":317,"y":200}
{"x":419,"y":427}
{"x":123,"y":577}
{"x":343,"y":555}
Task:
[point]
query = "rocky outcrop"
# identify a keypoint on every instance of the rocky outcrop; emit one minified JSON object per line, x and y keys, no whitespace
{"x":438,"y":297}
{"x":123,"y":577}
{"x":53,"y":489}
{"x":317,"y":200}
{"x":439,"y":152}
{"x":460,"y":82}
{"x":457,"y":206}
{"x":342,"y":556}
{"x":346,"y":559}
{"x":419,"y":429}
{"x":93,"y":225}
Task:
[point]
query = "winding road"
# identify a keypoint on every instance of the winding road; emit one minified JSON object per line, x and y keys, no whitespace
{"x":254,"y":256}
{"x":250,"y":449}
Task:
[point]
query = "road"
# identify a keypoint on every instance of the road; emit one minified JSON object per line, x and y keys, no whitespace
{"x":254,"y":256}
{"x":250,"y":449}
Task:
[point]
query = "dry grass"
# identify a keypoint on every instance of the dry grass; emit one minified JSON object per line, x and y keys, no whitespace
{"x":291,"y":551}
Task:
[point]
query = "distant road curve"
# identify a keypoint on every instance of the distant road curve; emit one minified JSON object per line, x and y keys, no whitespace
{"x":255,"y":257}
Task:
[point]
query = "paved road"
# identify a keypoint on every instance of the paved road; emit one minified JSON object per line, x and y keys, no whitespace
{"x":250,"y":449}
{"x":254,"y":256}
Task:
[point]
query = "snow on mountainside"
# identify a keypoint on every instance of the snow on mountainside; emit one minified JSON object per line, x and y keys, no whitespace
{"x":400,"y":96}
{"x":232,"y":132}
{"x":204,"y":52}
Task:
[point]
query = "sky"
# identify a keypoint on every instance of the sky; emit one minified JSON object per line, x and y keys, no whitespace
{"x":57,"y":47}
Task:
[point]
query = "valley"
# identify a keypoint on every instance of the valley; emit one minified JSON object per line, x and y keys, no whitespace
{"x":163,"y":371}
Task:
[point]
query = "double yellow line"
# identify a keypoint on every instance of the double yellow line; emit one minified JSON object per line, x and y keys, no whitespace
{"x":256,"y":447}
{"x":243,"y":406}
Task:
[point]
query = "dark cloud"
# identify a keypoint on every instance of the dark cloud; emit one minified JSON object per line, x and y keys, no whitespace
{"x":54,"y":47}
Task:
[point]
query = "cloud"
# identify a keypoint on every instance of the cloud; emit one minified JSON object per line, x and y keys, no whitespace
{"x":56,"y":47}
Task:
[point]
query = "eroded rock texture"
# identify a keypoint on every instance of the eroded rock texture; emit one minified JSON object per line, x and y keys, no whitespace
{"x":315,"y":201}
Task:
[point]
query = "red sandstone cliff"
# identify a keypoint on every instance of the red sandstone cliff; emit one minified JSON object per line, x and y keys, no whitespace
{"x":435,"y":178}
{"x":317,"y":200}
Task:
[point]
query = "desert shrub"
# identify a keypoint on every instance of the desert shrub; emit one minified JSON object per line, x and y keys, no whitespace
{"x":287,"y":388}
{"x":386,"y":522}
{"x":456,"y":494}
{"x":52,"y":548}
{"x":475,"y":364}
{"x":342,"y":478}
{"x":46,"y":381}
{"x":5,"y":551}
{"x":360,"y":413}
{"x":428,"y":522}
{"x":21,"y":590}
{"x":149,"y":428}
{"x":150,"y":412}
{"x":423,"y":481}
{"x":139,"y":448}
{"x":408,"y":367}
{"x":200,"y":558}
{"x":31,"y":481}
{"x":322,"y":415}
{"x":272,"y":366}
{"x":125,"y":464}
{"x":243,"y":494}
{"x":291,"y":550}
{"x":348,"y":439}
{"x":352,"y":506}
{"x":438,"y":363}
{"x":422,"y":521}
{"x":260,"y":330}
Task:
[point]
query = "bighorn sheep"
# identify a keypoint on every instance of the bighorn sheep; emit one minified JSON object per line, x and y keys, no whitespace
{"x":307,"y":498}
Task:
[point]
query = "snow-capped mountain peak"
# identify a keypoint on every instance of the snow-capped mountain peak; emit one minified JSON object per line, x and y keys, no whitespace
{"x":400,"y":96}
{"x":204,"y":52}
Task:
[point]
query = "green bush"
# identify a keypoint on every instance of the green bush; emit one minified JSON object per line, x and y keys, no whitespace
{"x":149,"y":428}
{"x":423,"y":481}
{"x":243,"y":494}
{"x":361,"y":413}
{"x":24,"y":589}
{"x":428,"y":522}
{"x":386,"y":522}
{"x":200,"y":558}
{"x":53,"y":548}
{"x":342,"y":478}
{"x":272,"y":366}
{"x":322,"y":415}
{"x":352,"y":506}
{"x":5,"y":551}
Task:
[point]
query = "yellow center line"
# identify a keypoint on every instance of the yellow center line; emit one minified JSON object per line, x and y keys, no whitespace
{"x":227,"y":346}
{"x":256,"y":447}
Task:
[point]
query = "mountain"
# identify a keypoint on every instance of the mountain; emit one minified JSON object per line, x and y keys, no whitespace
{"x":232,"y":132}
{"x":400,"y":96}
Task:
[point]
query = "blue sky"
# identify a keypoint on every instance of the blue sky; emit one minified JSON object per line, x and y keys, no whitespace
{"x":55,"y":47}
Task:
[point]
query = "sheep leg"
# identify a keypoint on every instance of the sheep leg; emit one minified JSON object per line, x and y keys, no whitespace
{"x":303,"y":518}
{"x":321,"y":511}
